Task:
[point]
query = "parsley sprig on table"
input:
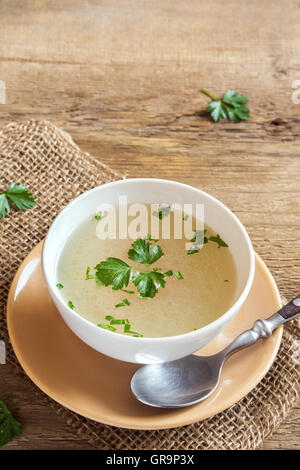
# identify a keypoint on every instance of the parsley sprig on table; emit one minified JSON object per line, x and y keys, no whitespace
{"x":9,"y":426}
{"x":19,"y":195}
{"x":117,"y":273}
{"x":231,"y":106}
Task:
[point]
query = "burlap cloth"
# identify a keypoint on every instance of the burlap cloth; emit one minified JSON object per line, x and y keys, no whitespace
{"x":45,"y":159}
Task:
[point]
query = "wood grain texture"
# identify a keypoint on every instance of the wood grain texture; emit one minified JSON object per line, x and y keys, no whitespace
{"x":123,"y":78}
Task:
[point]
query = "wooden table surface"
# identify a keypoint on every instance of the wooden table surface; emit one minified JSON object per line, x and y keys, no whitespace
{"x":123,"y":78}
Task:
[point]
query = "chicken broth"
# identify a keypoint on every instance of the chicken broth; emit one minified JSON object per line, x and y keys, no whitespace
{"x":149,"y":288}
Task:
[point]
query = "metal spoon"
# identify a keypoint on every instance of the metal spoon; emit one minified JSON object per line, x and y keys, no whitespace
{"x":190,"y":380}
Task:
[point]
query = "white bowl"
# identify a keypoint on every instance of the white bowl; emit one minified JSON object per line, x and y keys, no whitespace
{"x":152,"y":191}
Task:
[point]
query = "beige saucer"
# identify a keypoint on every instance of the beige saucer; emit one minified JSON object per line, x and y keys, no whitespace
{"x":98,"y":387}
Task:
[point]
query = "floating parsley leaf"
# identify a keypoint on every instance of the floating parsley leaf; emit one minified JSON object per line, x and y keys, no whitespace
{"x":162,"y":212}
{"x":226,"y":280}
{"x":19,"y":195}
{"x":150,"y":238}
{"x":70,"y":304}
{"x":123,"y":303}
{"x":92,"y":276}
{"x":218,"y":240}
{"x":98,"y":216}
{"x":59,"y":286}
{"x":148,"y":283}
{"x":107,"y":327}
{"x":9,"y":426}
{"x":114,"y":272}
{"x":200,"y":238}
{"x":231,"y":106}
{"x":128,"y":291}
{"x":192,"y":251}
{"x":134,"y":333}
{"x":116,"y":321}
{"x":140,"y":252}
{"x":177,"y":274}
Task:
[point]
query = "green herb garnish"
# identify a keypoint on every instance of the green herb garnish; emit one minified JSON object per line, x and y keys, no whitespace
{"x":59,"y":286}
{"x":128,"y":331}
{"x":19,"y":195}
{"x":70,"y":304}
{"x":107,"y":327}
{"x":226,"y":280}
{"x":177,"y":274}
{"x":150,"y":238}
{"x":140,"y":252}
{"x":118,"y":274}
{"x":119,"y":321}
{"x":9,"y":426}
{"x":147,"y":283}
{"x":116,"y":321}
{"x":218,"y":240}
{"x":88,"y":275}
{"x":162,"y":212}
{"x":98,"y":216}
{"x":231,"y":106}
{"x":114,"y":272}
{"x":123,"y":303}
{"x":128,"y":291}
{"x":200,"y":239}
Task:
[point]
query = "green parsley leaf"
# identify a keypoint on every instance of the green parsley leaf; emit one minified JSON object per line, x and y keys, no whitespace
{"x":98,"y":216}
{"x":128,"y":291}
{"x":116,"y":321}
{"x":218,"y":240}
{"x":162,"y":212}
{"x":9,"y":426}
{"x":150,"y":238}
{"x":114,"y":272}
{"x":88,"y":275}
{"x":4,"y":205}
{"x":177,"y":274}
{"x":148,"y":283}
{"x":59,"y":286}
{"x":140,"y":252}
{"x":107,"y":327}
{"x":192,"y":251}
{"x":19,"y":195}
{"x":92,"y":276}
{"x":123,"y":303}
{"x":134,"y":333}
{"x":231,"y":106}
{"x":199,"y":239}
{"x":70,"y":304}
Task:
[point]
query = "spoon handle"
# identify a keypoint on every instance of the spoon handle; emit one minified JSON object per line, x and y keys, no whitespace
{"x":264,"y":328}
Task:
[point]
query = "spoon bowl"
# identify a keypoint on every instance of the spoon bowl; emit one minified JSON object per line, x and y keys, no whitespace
{"x":190,"y":380}
{"x":177,"y":383}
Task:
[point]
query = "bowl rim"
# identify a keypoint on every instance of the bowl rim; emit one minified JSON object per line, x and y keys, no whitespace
{"x":166,"y":339}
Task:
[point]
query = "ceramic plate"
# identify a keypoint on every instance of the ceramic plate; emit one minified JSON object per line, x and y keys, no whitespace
{"x":98,"y":387}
